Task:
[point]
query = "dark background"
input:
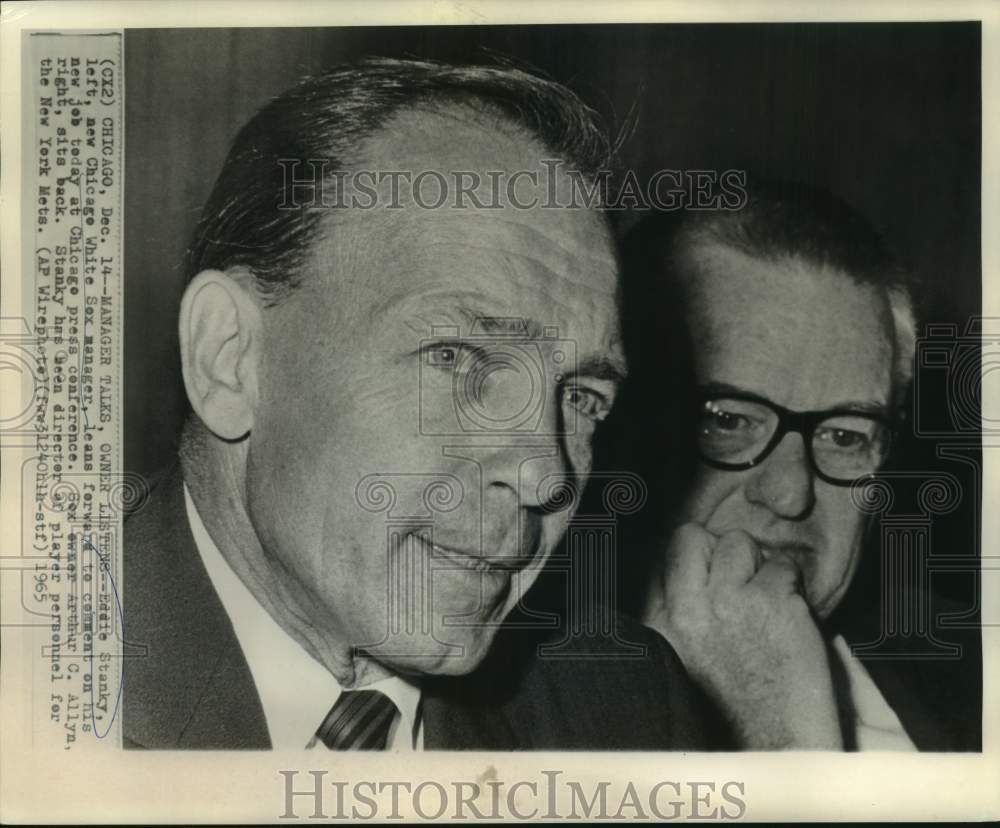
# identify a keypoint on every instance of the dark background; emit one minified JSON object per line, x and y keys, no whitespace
{"x":885,"y":115}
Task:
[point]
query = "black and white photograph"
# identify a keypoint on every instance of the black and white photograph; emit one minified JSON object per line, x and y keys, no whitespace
{"x":615,"y":392}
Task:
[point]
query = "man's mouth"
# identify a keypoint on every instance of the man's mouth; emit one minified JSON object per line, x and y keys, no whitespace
{"x":473,"y":560}
{"x":794,"y":553}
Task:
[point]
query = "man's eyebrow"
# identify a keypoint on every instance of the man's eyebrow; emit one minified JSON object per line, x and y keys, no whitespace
{"x":477,"y":318}
{"x":492,"y":325}
{"x":603,"y":368}
{"x":863,"y":406}
{"x":609,"y":367}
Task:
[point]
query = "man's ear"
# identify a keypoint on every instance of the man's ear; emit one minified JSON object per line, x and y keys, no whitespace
{"x":220,"y":332}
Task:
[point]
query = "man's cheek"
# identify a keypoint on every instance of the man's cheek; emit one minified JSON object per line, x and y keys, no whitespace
{"x":715,"y":500}
{"x":840,"y":534}
{"x":831,"y":571}
{"x":580,"y":453}
{"x":464,"y":598}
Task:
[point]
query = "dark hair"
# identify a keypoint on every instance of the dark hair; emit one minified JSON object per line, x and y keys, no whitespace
{"x":328,"y":116}
{"x":779,"y":220}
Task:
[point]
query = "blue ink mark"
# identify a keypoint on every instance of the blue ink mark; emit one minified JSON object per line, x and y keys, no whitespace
{"x":121,"y":620}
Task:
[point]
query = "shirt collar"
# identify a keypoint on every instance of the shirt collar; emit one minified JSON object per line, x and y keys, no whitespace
{"x":877,"y":727}
{"x":295,"y":690}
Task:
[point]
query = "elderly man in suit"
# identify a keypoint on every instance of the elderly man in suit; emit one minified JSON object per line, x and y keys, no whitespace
{"x":387,"y":389}
{"x":802,"y":333}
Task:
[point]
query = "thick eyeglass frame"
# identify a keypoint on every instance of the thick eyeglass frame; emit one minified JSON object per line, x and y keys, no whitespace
{"x":803,"y":423}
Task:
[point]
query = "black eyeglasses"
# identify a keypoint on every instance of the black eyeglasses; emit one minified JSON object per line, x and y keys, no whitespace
{"x":737,"y":431}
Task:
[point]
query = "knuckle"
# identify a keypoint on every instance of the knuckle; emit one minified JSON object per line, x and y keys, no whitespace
{"x":738,"y":541}
{"x":689,"y":536}
{"x":728,"y":606}
{"x":756,"y":603}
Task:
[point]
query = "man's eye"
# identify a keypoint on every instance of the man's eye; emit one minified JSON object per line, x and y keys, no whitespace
{"x":843,"y":438}
{"x":725,"y":421}
{"x":443,"y":355}
{"x":589,"y":403}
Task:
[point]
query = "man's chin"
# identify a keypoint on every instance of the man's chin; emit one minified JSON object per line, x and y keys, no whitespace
{"x":824,"y":606}
{"x":824,"y":598}
{"x":454,"y":651}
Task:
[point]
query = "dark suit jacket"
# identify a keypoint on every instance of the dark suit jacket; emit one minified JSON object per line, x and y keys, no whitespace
{"x":937,"y":698}
{"x":937,"y":695}
{"x":187,"y":684}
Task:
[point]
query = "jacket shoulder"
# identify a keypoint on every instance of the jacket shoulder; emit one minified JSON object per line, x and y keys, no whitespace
{"x":187,"y":684}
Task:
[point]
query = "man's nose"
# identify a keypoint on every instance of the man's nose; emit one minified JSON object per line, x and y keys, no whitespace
{"x":784,"y":482}
{"x":535,"y":464}
{"x":541,"y":478}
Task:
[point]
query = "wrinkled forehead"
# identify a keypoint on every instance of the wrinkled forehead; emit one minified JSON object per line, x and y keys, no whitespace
{"x":500,"y":264}
{"x":729,"y":288}
{"x":572,"y":246}
{"x":492,"y":210}
{"x":786,"y":322}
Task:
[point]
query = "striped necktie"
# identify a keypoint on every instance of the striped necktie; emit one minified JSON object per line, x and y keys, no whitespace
{"x":360,"y":720}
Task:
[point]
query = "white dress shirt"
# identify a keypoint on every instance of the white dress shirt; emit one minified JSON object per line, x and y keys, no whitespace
{"x":295,"y":690}
{"x":878,"y":726}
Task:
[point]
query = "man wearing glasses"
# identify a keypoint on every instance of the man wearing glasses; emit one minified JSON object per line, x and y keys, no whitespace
{"x":802,"y":334}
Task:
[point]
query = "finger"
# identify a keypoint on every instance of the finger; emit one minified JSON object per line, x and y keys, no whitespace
{"x":779,"y":576}
{"x":688,"y":557}
{"x":735,"y":559}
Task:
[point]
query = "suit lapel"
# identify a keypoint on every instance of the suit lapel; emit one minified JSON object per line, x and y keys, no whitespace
{"x":452,"y":721}
{"x":900,"y":685}
{"x":192,"y":687}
